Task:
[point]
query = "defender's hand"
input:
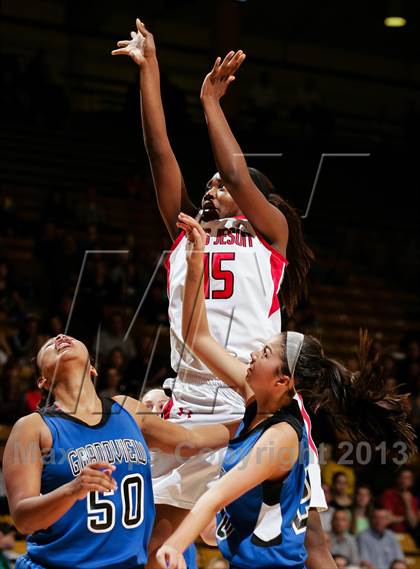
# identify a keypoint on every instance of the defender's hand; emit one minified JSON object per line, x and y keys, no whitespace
{"x":221,"y":76}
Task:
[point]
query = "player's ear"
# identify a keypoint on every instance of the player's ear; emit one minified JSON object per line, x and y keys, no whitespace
{"x":284,"y":380}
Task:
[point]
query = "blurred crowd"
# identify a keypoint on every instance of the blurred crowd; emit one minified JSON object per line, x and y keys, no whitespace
{"x":97,"y":298}
{"x":369,"y":530}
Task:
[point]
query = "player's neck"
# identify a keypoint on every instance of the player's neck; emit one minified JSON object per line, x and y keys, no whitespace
{"x":267,"y":407}
{"x":79,"y":400}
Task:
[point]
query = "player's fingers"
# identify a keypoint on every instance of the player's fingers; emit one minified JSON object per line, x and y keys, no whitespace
{"x":198,"y":241}
{"x":227,"y":58}
{"x":161,"y":558}
{"x":98,"y":478}
{"x":94,"y":488}
{"x":141,"y":27}
{"x":230,"y":79}
{"x":171,"y":559}
{"x":184,"y":218}
{"x":121,"y":51}
{"x":216,"y":64}
{"x":88,"y":486}
{"x":102,"y":464}
{"x":123,"y":43}
{"x":183,"y":227}
{"x":133,"y":35}
{"x":238,"y":62}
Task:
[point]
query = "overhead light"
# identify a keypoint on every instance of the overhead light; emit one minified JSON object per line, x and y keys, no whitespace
{"x":395,"y":22}
{"x":395,"y":15}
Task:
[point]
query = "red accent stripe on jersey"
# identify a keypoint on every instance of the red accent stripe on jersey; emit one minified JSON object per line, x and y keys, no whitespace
{"x":271,"y":248}
{"x":277,"y":271}
{"x":166,"y":411}
{"x":167,"y":263}
{"x":307,"y":420}
{"x":173,"y":247}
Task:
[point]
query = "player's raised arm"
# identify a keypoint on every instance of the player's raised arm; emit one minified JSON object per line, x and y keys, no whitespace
{"x":22,"y":468}
{"x":195,"y":328}
{"x":254,"y":469}
{"x":231,"y":164}
{"x":170,"y":437}
{"x":169,"y":184}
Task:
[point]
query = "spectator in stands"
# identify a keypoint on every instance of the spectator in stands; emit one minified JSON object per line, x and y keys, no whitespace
{"x":111,"y":383}
{"x":117,"y":360}
{"x":7,"y":543}
{"x":12,"y":390}
{"x":54,"y":326}
{"x":155,"y":310}
{"x":362,"y":509}
{"x":331,"y":464}
{"x":113,"y":337}
{"x":10,"y":299}
{"x":341,"y":561}
{"x":401,"y":503}
{"x":25,"y":342}
{"x":91,"y":241}
{"x":378,"y":546}
{"x":412,"y":377}
{"x":342,"y":543}
{"x":412,"y":352}
{"x":326,"y":516}
{"x":4,"y":504}
{"x":132,"y":286}
{"x":5,"y":350}
{"x":32,"y":399}
{"x":340,"y":492}
{"x":69,"y":260}
{"x":98,"y":286}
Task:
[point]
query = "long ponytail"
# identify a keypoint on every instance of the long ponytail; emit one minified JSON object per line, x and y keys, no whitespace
{"x":358,"y":403}
{"x":299,"y":255}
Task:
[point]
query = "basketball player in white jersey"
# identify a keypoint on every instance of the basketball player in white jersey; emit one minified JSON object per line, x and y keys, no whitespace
{"x":249,"y":229}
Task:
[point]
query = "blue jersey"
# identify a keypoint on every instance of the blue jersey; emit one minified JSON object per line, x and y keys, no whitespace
{"x":105,"y":529}
{"x":265,"y":527}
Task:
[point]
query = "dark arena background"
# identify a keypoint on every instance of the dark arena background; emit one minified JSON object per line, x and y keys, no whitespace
{"x":327,"y":104}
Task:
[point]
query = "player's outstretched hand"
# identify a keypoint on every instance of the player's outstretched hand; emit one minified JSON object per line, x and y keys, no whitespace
{"x":195,"y":233}
{"x":95,"y":477}
{"x":221,"y":76}
{"x":140,"y":48}
{"x":170,"y":558}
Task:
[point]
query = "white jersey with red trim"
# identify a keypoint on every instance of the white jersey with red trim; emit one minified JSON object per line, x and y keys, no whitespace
{"x":242,"y":276}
